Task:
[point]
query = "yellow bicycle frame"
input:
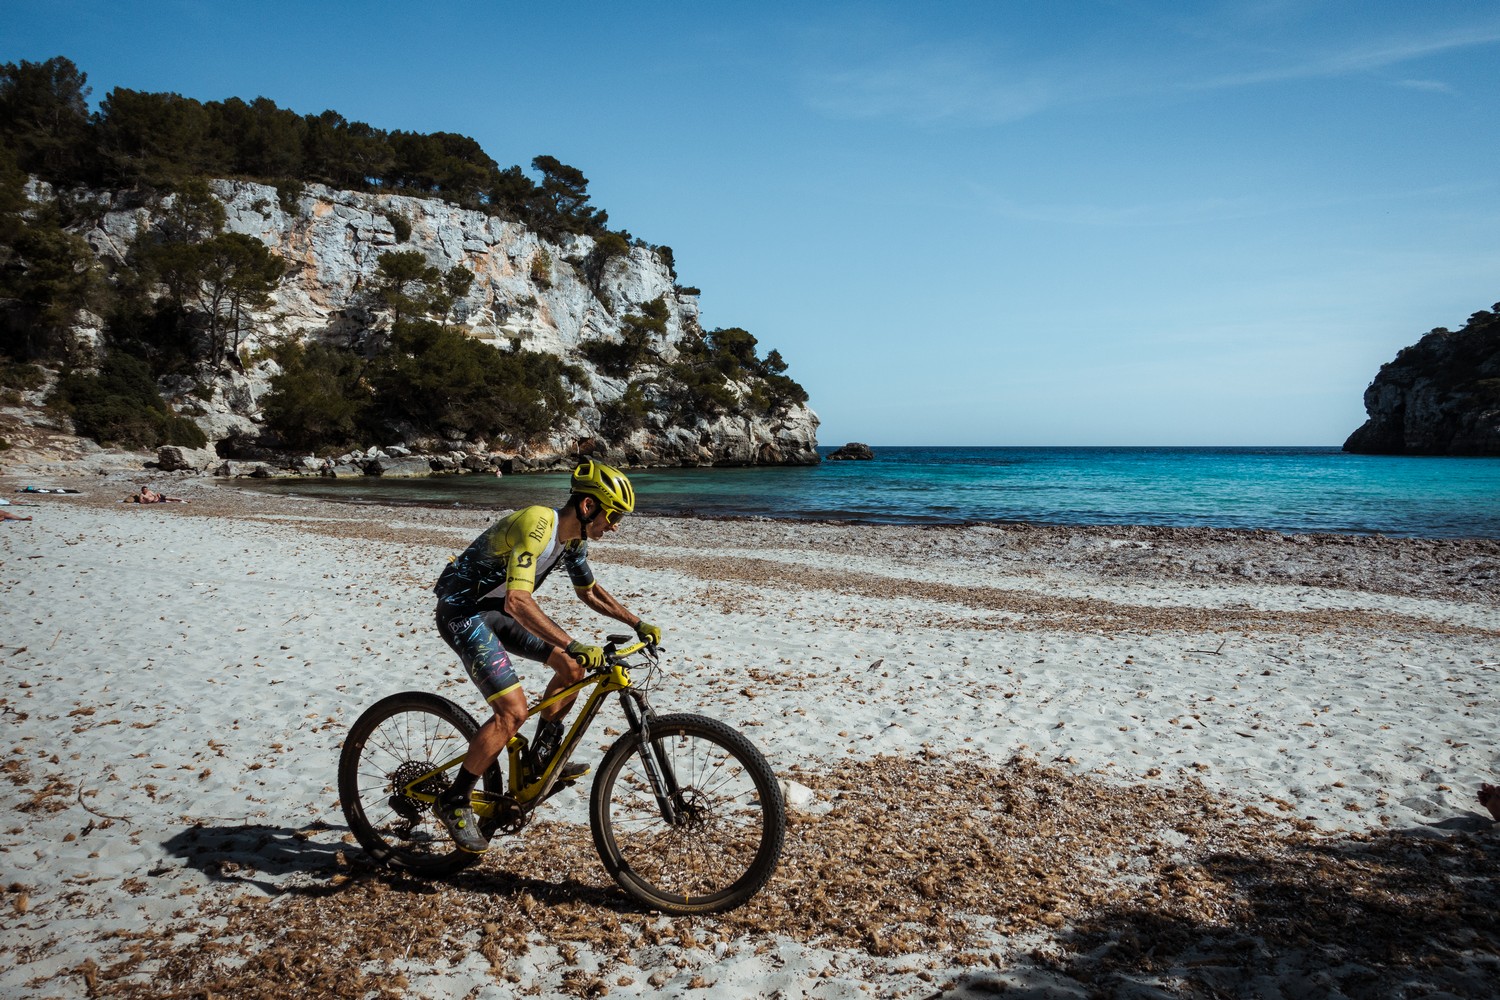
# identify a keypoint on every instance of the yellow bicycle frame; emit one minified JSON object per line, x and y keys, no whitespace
{"x":614,"y":677}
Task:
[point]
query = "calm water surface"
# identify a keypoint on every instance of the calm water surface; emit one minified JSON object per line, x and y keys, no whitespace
{"x":1282,"y":489}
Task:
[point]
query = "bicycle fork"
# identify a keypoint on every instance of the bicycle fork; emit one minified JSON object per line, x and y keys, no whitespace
{"x":659,"y":769}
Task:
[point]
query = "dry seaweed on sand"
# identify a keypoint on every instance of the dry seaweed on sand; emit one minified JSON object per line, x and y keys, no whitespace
{"x":952,"y":854}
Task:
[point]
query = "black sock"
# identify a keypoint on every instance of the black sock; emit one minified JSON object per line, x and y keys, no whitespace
{"x":463,"y":784}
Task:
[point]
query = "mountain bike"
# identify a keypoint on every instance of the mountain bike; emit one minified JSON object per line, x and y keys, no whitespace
{"x":686,"y":814}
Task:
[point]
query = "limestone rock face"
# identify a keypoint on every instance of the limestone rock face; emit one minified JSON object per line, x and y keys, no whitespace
{"x":172,"y":458}
{"x":725,"y":440}
{"x":526,"y":291}
{"x":1441,"y":396}
{"x":398,"y":467}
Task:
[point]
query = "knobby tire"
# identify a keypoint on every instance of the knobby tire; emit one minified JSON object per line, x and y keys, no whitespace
{"x":397,"y":738}
{"x":728,"y":843}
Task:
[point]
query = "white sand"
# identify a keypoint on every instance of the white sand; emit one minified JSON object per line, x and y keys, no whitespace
{"x":178,"y":678}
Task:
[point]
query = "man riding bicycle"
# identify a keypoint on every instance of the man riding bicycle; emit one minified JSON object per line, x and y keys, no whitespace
{"x":485,"y":629}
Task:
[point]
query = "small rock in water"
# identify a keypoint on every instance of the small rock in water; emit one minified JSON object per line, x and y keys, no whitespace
{"x":852,"y":450}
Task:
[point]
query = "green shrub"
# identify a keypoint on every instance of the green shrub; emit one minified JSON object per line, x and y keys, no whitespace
{"x":4,"y":445}
{"x":440,"y":379}
{"x":531,"y":397}
{"x":699,"y":382}
{"x":616,"y":358}
{"x":20,"y":376}
{"x":541,"y":269}
{"x":160,"y":332}
{"x":121,"y":406}
{"x":626,"y":414}
{"x":690,"y":388}
{"x":620,"y":358}
{"x":577,"y":374}
{"x":183,"y":432}
{"x":668,"y":259}
{"x":46,"y":275}
{"x":608,"y":247}
{"x":780,"y":393}
{"x":429,"y":379}
{"x":779,"y":390}
{"x":400,"y":224}
{"x":319,"y":401}
{"x":289,"y":193}
{"x":1486,"y":391}
{"x":406,"y":284}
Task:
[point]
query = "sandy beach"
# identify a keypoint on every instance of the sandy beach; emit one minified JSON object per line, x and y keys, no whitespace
{"x":1123,"y":762}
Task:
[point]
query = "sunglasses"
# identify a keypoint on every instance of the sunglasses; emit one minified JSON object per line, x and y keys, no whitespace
{"x":614,"y":516}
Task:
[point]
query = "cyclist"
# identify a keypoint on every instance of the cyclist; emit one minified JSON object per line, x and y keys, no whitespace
{"x":511,"y":559}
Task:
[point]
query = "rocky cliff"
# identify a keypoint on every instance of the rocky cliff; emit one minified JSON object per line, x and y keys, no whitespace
{"x":1441,"y":396}
{"x":527,"y":292}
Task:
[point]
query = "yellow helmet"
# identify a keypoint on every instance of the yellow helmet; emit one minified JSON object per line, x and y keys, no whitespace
{"x":606,"y":484}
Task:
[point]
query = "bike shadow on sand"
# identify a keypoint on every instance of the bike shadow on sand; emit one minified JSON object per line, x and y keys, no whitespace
{"x":315,"y":861}
{"x":271,"y":858}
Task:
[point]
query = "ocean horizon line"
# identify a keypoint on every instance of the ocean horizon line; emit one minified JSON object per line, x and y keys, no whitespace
{"x":1114,"y":447}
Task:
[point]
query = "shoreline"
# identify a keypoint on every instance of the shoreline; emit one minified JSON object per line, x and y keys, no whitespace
{"x":1306,"y":711}
{"x":1435,"y":520}
{"x":915,"y":523}
{"x":1396,"y":564}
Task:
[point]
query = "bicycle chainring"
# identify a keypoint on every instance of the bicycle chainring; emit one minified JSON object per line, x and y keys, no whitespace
{"x":508,"y":816}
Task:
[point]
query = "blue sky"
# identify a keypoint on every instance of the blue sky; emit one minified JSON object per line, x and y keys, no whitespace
{"x":1008,"y":223}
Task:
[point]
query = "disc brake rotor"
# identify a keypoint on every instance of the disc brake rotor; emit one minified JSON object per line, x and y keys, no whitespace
{"x":693,"y":809}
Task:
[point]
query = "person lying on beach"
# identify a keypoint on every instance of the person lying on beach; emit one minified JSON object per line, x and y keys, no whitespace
{"x":1489,"y":797}
{"x":517,"y":553}
{"x":148,"y":495}
{"x":6,"y":515}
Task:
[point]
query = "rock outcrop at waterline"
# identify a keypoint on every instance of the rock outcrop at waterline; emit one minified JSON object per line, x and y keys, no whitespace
{"x":1440,"y":396}
{"x":853,"y":451}
{"x":536,"y":293}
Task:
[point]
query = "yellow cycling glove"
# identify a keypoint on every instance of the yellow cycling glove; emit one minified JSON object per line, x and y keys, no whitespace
{"x":646,"y":632}
{"x":589,"y":657}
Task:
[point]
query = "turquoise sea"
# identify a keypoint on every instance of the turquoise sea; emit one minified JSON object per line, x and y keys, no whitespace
{"x":1281,"y":489}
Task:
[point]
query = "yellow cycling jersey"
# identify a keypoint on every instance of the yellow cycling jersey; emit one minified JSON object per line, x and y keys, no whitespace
{"x":516,"y":552}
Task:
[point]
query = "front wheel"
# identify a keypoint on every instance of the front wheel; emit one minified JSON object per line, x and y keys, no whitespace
{"x":727,"y":824}
{"x":395,"y":741}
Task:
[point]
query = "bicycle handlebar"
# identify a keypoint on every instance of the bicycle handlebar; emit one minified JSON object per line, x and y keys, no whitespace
{"x":612,"y":650}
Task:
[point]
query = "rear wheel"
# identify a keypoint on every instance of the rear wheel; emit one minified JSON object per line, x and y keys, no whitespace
{"x":396,"y":740}
{"x":724,"y":840}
